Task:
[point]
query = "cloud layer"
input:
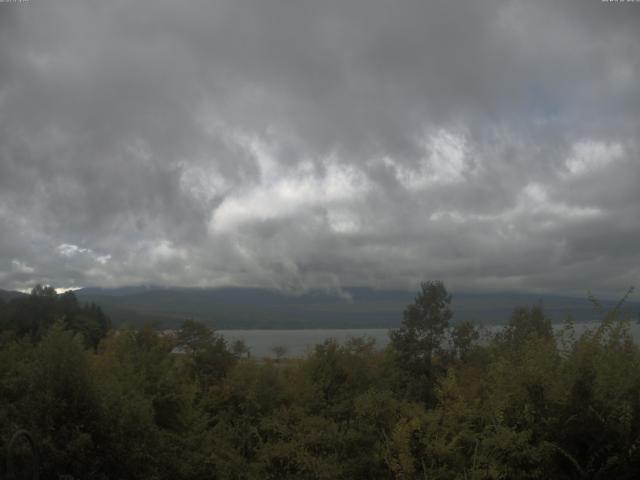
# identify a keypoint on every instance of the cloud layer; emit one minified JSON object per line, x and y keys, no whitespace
{"x":494,"y":144}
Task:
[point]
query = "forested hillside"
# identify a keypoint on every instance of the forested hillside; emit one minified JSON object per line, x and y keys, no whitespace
{"x":437,"y":403}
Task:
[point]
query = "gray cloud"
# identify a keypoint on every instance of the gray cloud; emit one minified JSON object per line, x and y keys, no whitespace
{"x":318,"y":144}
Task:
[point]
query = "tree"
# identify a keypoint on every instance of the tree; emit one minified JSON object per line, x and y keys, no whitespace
{"x":240,"y":349}
{"x":526,"y":324}
{"x":422,"y":331}
{"x":463,"y":336}
{"x":208,"y":352}
{"x":32,"y":316}
{"x":194,"y":336}
{"x":279,"y":351}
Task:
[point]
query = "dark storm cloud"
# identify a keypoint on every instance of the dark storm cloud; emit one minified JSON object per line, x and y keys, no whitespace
{"x":304,"y":144}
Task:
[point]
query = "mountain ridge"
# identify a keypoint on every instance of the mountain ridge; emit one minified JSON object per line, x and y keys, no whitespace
{"x":352,"y":307}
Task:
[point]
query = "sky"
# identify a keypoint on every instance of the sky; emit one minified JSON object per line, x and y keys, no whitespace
{"x":301,"y":144}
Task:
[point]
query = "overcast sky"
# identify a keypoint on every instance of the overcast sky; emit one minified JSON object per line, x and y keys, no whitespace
{"x":321,"y":143}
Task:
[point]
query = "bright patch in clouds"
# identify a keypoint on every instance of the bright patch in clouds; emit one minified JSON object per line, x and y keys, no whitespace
{"x":20,"y":267}
{"x":204,"y":183}
{"x":70,"y":251}
{"x":103,"y":259}
{"x":343,"y":221}
{"x":444,"y":162}
{"x":534,"y":194}
{"x":292,"y":192}
{"x":587,"y":156}
{"x":164,"y":250}
{"x":535,"y":200}
{"x":532,"y":200}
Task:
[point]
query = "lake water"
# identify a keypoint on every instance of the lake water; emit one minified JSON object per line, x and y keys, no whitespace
{"x":300,"y":342}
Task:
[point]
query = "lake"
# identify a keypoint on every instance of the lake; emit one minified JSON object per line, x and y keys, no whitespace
{"x":300,"y":342}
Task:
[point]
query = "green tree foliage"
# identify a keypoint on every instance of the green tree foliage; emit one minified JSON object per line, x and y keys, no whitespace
{"x":463,"y":337}
{"x":208,"y":353}
{"x":527,"y":403}
{"x":421,"y":335}
{"x":527,"y":323}
{"x":32,"y":316}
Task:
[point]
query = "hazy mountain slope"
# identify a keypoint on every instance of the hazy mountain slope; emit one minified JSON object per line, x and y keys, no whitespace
{"x":359,"y":307}
{"x":7,"y":295}
{"x":233,"y":307}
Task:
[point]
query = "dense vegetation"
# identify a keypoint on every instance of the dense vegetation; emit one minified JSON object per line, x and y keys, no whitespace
{"x":438,"y":403}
